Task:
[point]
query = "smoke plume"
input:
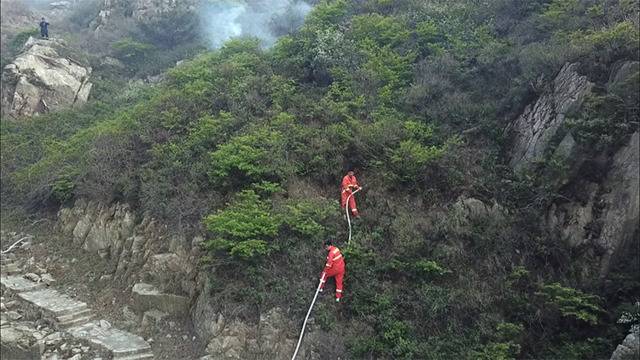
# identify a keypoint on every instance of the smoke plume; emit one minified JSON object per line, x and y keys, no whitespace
{"x":222,"y":20}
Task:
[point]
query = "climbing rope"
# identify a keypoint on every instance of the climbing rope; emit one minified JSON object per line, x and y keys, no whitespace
{"x":304,"y":325}
{"x":346,"y":209}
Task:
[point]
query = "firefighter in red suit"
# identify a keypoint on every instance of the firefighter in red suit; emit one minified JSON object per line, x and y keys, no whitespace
{"x":333,"y":268}
{"x":349,"y":185}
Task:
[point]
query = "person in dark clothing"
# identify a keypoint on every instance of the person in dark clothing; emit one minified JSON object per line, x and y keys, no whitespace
{"x":44,"y":28}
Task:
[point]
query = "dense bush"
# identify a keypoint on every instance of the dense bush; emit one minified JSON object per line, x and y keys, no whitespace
{"x":572,"y":303}
{"x":244,"y":228}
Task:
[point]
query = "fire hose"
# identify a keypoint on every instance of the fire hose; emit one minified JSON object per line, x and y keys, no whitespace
{"x":346,"y":209}
{"x":304,"y":324}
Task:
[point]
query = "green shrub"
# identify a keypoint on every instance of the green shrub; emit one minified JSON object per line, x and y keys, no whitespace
{"x":245,"y":228}
{"x":253,"y":157}
{"x":313,"y":219}
{"x":383,"y":85}
{"x":62,"y":190}
{"x":132,"y":52}
{"x":605,"y":121}
{"x":430,"y":268}
{"x":381,"y":30}
{"x":572,"y":303}
{"x":410,"y":158}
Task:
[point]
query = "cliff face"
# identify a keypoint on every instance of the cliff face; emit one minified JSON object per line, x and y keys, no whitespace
{"x":604,"y":215}
{"x":621,"y":201}
{"x":42,"y":79}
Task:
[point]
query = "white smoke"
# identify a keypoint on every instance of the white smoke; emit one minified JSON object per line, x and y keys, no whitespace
{"x":222,"y":20}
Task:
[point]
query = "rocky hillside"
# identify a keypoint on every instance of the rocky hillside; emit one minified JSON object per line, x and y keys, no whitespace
{"x":609,"y":208}
{"x":497,"y":144}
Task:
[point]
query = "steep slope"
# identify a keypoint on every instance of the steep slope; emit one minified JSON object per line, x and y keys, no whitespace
{"x":495,"y":142}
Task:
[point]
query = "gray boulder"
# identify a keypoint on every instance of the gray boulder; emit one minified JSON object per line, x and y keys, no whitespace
{"x":40,"y":80}
{"x":147,"y":297}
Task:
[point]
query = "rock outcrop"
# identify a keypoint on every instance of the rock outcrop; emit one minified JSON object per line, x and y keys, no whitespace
{"x":42,"y":79}
{"x":600,"y":218}
{"x":140,"y":249}
{"x":629,"y":349}
{"x":623,"y":80}
{"x":607,"y":214}
{"x":147,"y":297}
{"x":621,"y":200}
{"x":534,"y":130}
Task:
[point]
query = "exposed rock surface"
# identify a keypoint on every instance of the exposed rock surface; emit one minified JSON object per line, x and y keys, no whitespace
{"x":30,"y":339}
{"x":622,"y":203}
{"x":573,"y":219}
{"x":42,"y":79}
{"x":629,"y":349}
{"x":140,"y":249}
{"x":272,"y":338}
{"x":608,"y":213}
{"x":534,"y":130}
{"x":623,"y":80}
{"x":600,"y":217}
{"x":147,"y":297}
{"x":467,"y":211}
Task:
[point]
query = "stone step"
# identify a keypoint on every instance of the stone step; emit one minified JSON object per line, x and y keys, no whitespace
{"x":19,"y":284}
{"x":132,"y":351}
{"x":118,"y":342}
{"x":77,"y":318}
{"x":80,"y":314}
{"x":135,"y":357}
{"x":76,"y":321}
{"x":53,"y":302}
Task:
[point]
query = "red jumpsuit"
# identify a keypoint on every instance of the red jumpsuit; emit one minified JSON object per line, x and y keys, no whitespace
{"x":349,"y":184}
{"x":334,"y":268}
